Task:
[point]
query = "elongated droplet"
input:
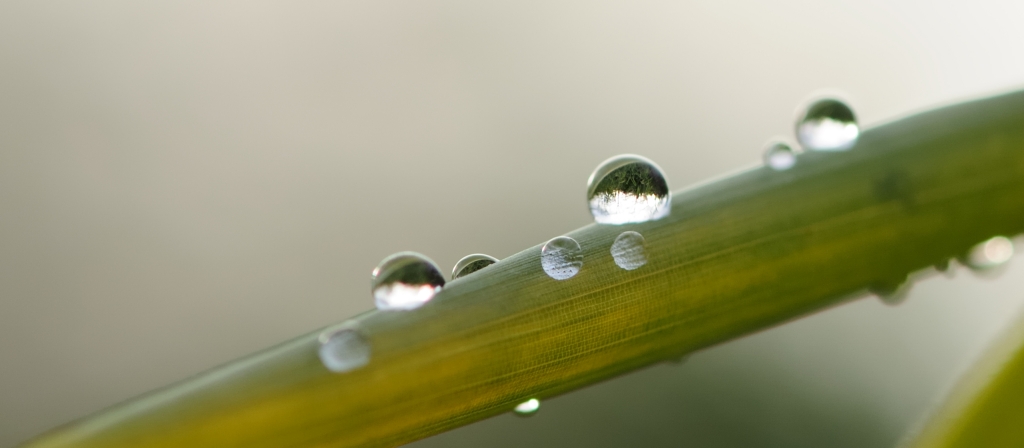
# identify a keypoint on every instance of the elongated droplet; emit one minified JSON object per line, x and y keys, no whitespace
{"x":528,"y":407}
{"x":343,"y":349}
{"x":779,"y":156}
{"x":561,"y":258}
{"x":990,"y":254}
{"x":629,"y":251}
{"x":827,"y":124}
{"x":405,"y":281}
{"x":628,"y":188}
{"x":472,"y":263}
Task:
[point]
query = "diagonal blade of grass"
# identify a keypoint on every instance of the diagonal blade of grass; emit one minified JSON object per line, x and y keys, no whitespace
{"x":737,"y":255}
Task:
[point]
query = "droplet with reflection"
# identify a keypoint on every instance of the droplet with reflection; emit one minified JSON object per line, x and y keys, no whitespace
{"x":561,"y":258}
{"x":344,"y":348}
{"x":779,"y":156}
{"x":991,"y":253}
{"x":527,"y":408}
{"x":827,"y":124}
{"x":405,"y":281}
{"x":628,"y":189}
{"x":629,"y":251}
{"x":472,"y":263}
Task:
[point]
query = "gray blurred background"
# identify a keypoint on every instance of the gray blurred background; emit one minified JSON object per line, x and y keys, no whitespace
{"x":188,"y":182}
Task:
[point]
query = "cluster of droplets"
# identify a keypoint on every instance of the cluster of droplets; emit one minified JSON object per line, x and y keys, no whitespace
{"x":626,"y":189}
{"x":985,"y":258}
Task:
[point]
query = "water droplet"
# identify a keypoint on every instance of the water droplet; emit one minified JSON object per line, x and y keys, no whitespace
{"x":990,"y":254}
{"x":343,"y":348}
{"x":628,"y":250}
{"x":528,"y":407}
{"x":405,"y":281}
{"x":827,"y":124}
{"x":779,"y":156}
{"x":561,"y":258}
{"x":628,"y":188}
{"x":472,"y":263}
{"x":892,"y":293}
{"x":679,"y":359}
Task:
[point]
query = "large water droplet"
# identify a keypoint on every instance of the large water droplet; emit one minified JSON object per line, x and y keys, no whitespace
{"x":828,"y":124}
{"x":343,"y":348}
{"x":990,"y":253}
{"x":405,"y":281}
{"x":561,"y":258}
{"x":472,"y":263}
{"x":628,"y":250}
{"x":628,"y":188}
{"x":779,"y":156}
{"x":528,"y":407}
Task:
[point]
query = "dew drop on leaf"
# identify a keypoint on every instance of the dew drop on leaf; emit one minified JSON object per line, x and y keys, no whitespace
{"x":779,"y":156}
{"x":628,"y":189}
{"x":528,"y":407}
{"x":629,"y":250}
{"x":472,"y":263}
{"x":405,"y":281}
{"x":343,"y":349}
{"x":561,"y":258}
{"x":827,"y":124}
{"x":990,"y":254}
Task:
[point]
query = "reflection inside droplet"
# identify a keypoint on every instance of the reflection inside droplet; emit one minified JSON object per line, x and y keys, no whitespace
{"x":628,"y":189}
{"x":561,"y":258}
{"x":528,"y":407}
{"x":472,"y":263}
{"x":827,"y":124}
{"x":628,"y":250}
{"x":990,"y":253}
{"x":343,"y":349}
{"x":405,"y":281}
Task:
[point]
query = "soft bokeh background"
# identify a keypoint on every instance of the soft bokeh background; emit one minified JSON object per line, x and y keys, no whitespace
{"x":183,"y":183}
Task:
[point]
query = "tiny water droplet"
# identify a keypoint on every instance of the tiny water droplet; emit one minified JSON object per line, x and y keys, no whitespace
{"x":679,"y":359}
{"x":628,"y":250}
{"x":528,"y":407}
{"x":990,"y":253}
{"x":892,"y":293}
{"x":472,"y":263}
{"x":343,"y":348}
{"x":827,"y":124}
{"x":779,"y":156}
{"x":628,"y":189}
{"x":405,"y":281}
{"x":561,"y":257}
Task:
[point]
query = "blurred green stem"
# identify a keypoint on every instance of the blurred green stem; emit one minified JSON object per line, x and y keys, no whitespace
{"x":986,"y":408}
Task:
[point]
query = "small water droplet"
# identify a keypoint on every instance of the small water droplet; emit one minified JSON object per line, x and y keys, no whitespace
{"x":561,"y":258}
{"x":990,"y":253}
{"x":528,"y":407}
{"x":628,"y":250}
{"x":472,"y":263}
{"x":343,"y":348}
{"x":405,"y":281}
{"x":827,"y":124}
{"x":628,"y":189}
{"x":679,"y":359}
{"x":892,"y":293}
{"x":779,"y":156}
